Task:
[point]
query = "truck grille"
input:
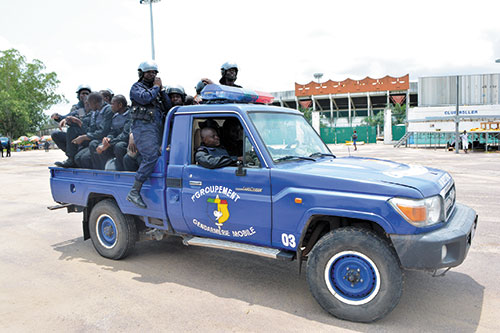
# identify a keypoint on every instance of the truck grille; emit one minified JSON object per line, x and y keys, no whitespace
{"x":449,"y":199}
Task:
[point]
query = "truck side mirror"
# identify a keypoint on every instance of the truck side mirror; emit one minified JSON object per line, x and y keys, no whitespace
{"x":240,"y":171}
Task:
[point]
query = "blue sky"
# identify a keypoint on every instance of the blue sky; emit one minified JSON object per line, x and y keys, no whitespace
{"x":275,"y":43}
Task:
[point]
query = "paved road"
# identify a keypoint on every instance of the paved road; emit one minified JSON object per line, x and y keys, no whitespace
{"x":50,"y":279}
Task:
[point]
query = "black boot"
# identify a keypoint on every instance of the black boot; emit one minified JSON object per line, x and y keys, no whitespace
{"x":134,"y":196}
{"x":69,"y":163}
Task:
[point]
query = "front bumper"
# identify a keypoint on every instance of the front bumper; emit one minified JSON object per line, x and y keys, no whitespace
{"x":444,"y":247}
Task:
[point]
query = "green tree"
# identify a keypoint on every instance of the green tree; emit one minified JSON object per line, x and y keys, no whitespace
{"x":307,"y":112}
{"x":398,"y":116}
{"x":25,"y":92}
{"x":376,"y":120}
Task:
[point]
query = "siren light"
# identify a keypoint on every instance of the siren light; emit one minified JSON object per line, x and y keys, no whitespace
{"x":224,"y":94}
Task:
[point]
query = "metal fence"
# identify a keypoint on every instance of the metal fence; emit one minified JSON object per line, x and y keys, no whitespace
{"x":477,"y":140}
{"x":367,"y":134}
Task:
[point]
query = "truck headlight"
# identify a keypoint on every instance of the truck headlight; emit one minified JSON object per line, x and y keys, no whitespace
{"x":420,"y":212}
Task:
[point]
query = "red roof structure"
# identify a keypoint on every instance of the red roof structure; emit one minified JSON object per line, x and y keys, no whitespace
{"x":387,"y":83}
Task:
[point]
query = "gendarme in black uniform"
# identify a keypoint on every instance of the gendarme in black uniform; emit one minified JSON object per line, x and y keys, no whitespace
{"x":149,"y":104}
{"x":214,"y":157}
{"x":211,"y":154}
{"x":229,"y":73}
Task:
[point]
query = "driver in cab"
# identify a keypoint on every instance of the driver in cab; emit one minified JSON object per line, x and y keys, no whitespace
{"x":211,"y":154}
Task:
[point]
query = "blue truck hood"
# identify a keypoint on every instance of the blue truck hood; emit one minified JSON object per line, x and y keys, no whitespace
{"x":369,"y":175}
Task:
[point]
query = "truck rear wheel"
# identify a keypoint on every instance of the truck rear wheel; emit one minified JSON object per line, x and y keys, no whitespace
{"x":113,"y":233}
{"x":354,"y":275}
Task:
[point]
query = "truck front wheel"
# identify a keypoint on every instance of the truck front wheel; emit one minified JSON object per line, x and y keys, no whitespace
{"x":354,"y":275}
{"x":113,"y":233}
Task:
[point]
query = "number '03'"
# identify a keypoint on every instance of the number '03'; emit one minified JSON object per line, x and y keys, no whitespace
{"x":288,"y":240}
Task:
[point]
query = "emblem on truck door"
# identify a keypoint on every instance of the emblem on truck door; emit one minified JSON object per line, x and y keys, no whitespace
{"x":222,"y":213}
{"x":218,"y":198}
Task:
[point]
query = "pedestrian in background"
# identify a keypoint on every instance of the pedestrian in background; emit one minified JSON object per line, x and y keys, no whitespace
{"x":8,"y":148}
{"x":354,"y":139}
{"x":1,"y":148}
{"x":465,"y":141}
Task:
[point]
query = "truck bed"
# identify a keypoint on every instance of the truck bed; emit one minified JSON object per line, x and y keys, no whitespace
{"x":76,"y":186}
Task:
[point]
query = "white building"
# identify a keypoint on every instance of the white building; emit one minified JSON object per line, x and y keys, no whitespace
{"x":437,"y":103}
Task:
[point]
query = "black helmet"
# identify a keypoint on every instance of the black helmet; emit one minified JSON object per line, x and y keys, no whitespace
{"x":199,"y":87}
{"x":226,"y":66}
{"x":177,"y":90}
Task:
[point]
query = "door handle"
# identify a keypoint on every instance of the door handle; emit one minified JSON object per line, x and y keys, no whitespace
{"x":195,"y":183}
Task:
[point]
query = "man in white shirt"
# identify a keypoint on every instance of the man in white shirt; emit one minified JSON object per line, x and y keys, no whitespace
{"x":465,"y":141}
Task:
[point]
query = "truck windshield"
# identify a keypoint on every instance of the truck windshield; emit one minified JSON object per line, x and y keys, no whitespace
{"x":288,"y":136}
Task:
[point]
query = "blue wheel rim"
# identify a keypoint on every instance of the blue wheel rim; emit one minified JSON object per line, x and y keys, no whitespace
{"x":352,"y":277}
{"x":106,"y":231}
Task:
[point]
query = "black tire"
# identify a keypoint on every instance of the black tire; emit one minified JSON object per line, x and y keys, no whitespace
{"x":113,"y":233}
{"x":364,"y":292}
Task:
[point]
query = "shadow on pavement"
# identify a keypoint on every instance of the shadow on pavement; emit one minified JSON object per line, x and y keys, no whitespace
{"x":452,"y":302}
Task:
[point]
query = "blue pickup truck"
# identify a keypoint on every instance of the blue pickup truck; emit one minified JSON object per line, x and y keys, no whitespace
{"x":356,"y":222}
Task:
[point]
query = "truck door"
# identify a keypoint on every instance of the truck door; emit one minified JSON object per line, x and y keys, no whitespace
{"x":219,"y":203}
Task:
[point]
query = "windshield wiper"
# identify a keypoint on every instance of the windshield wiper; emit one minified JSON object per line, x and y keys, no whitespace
{"x":291,"y":157}
{"x":318,"y":154}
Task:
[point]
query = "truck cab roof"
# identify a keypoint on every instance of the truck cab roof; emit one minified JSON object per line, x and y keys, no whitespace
{"x":236,"y":107}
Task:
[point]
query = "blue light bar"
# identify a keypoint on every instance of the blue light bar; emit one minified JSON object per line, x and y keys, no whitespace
{"x":215,"y":92}
{"x":219,"y":92}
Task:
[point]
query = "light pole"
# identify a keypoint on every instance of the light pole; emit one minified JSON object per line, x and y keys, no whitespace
{"x":318,"y":76}
{"x":150,"y":2}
